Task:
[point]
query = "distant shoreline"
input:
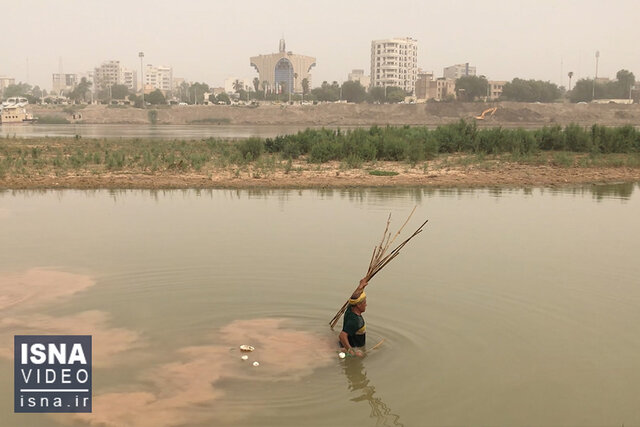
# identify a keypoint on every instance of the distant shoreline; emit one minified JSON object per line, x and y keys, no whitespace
{"x":508,"y":114}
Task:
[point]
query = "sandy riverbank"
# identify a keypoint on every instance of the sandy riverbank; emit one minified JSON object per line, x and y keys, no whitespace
{"x":333,"y":175}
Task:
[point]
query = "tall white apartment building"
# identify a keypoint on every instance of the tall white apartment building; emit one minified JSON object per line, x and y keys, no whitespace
{"x":111,"y":73}
{"x":459,"y":70}
{"x":158,"y":77}
{"x":394,"y":62}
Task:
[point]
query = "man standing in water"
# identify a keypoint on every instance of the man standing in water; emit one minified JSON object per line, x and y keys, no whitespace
{"x":353,"y":334}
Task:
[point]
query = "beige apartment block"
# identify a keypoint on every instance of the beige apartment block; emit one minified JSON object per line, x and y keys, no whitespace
{"x":459,"y":70}
{"x":495,"y":89}
{"x":394,"y":62}
{"x":159,"y":77}
{"x":358,"y":76}
{"x":283,"y":71}
{"x":443,"y":88}
{"x":438,"y":89}
{"x":111,"y":73}
{"x":61,"y":83}
{"x":129,"y":78}
{"x":6,"y":82}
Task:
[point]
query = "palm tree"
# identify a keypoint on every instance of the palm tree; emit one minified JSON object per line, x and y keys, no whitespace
{"x":305,"y":87}
{"x":256,"y":83}
{"x":570,"y":75}
{"x":237,"y":85}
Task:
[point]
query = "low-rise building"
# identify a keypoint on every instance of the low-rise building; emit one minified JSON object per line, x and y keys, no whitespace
{"x":423,"y":83}
{"x":444,"y":88}
{"x":458,"y":70}
{"x":6,"y":82}
{"x":495,"y":89}
{"x":358,"y":76}
{"x":438,"y":89}
{"x":61,"y":83}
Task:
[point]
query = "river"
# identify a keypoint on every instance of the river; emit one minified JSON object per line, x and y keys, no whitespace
{"x":513,"y":307}
{"x":151,"y":131}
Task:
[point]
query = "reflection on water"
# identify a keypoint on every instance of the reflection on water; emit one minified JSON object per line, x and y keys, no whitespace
{"x":599,"y":192}
{"x":186,"y":132}
{"x":363,"y":390}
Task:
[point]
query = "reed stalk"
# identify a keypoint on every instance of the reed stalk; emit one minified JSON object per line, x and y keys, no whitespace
{"x":380,"y":258}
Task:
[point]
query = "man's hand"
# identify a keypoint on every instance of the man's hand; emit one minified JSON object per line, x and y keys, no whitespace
{"x":355,"y":352}
{"x":363,"y":282}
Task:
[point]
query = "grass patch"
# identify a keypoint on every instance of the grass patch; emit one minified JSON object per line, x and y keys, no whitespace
{"x":52,"y":120}
{"x":377,"y":172}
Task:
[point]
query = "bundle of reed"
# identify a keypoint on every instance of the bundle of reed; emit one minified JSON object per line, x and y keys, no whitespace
{"x":380,"y":258}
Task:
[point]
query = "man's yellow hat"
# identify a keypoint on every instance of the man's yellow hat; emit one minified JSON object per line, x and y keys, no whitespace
{"x":356,"y":301}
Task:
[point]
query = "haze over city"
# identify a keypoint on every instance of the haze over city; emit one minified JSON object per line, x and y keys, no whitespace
{"x":211,"y":41}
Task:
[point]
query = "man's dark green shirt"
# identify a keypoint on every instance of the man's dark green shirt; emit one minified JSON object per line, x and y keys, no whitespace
{"x":355,"y":328}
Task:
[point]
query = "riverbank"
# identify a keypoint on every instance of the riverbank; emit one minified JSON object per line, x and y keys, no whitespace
{"x":458,"y":155}
{"x":509,"y":175}
{"x":508,"y":114}
{"x":445,"y":171}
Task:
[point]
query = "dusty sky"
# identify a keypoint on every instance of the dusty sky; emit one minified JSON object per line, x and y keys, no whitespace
{"x":210,"y":40}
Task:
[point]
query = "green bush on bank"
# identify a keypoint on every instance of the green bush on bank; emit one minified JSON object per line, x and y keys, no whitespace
{"x":416,"y":144}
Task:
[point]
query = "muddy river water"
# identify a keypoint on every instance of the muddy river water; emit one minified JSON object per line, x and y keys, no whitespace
{"x":513,"y":307}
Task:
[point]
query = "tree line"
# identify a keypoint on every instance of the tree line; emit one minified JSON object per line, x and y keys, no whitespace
{"x":468,"y":88}
{"x":471,"y":88}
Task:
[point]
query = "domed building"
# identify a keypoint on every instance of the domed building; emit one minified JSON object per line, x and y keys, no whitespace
{"x":283,"y":72}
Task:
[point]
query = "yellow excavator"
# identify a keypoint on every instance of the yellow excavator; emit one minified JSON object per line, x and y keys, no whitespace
{"x":489,"y":111}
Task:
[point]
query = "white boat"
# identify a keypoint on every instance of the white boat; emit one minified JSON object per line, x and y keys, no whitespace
{"x":15,"y":101}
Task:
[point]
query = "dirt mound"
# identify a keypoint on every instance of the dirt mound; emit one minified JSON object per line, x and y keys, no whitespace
{"x":516,"y":115}
{"x":341,"y":114}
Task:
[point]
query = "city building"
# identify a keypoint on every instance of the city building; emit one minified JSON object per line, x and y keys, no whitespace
{"x":423,"y":84}
{"x":358,"y":76}
{"x":444,"y":88}
{"x":111,"y":73}
{"x":158,"y":77}
{"x":283,"y":72}
{"x":495,"y":89}
{"x":459,"y":70}
{"x":394,"y":62}
{"x":437,"y":89}
{"x":6,"y":82}
{"x":63,"y":83}
{"x":129,"y":78}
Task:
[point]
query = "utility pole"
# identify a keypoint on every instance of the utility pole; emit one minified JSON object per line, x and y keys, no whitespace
{"x":593,"y":95}
{"x":141,"y":55}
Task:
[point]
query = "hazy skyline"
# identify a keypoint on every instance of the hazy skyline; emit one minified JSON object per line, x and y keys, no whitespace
{"x":211,"y":40}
